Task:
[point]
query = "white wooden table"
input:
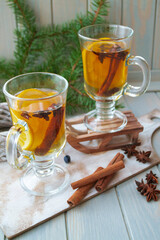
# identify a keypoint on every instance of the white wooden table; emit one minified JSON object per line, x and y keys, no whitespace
{"x":120,"y":213}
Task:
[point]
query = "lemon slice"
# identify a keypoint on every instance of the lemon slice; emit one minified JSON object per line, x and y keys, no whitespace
{"x":32,"y":93}
{"x":34,"y":104}
{"x":94,"y":70}
{"x":33,"y":135}
{"x":26,"y":138}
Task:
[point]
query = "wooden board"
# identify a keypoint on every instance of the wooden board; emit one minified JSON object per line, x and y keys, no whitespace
{"x":98,"y":211}
{"x":142,"y":220}
{"x":53,"y":229}
{"x":142,"y":217}
{"x":20,"y":211}
{"x":1,"y":235}
{"x":150,"y":216}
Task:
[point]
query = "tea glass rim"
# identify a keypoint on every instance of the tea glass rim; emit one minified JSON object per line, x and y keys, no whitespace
{"x":9,"y":95}
{"x":105,"y":24}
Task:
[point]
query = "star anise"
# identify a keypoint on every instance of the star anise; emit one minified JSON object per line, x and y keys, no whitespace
{"x":130,"y":150}
{"x":114,"y":52}
{"x":151,"y":192}
{"x":104,"y":47}
{"x":42,"y":114}
{"x":25,"y":115}
{"x":141,"y":187}
{"x":101,"y":55}
{"x":151,"y":178}
{"x":115,"y":48}
{"x":143,"y":156}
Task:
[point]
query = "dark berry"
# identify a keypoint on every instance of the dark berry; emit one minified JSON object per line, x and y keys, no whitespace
{"x":67,"y":159}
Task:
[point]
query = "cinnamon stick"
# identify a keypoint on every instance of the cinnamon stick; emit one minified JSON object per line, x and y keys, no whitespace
{"x":51,"y":132}
{"x":81,"y":192}
{"x":102,"y":183}
{"x":114,"y":64}
{"x":98,"y":175}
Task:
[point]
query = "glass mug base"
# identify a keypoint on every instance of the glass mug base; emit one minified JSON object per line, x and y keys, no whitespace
{"x":47,"y":185}
{"x":104,"y":124}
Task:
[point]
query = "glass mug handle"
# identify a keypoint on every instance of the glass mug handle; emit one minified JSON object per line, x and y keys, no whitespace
{"x":141,"y":62}
{"x":12,"y":146}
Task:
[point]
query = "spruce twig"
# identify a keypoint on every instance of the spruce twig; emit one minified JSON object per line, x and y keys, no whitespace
{"x":98,"y":10}
{"x":52,"y":49}
{"x":26,"y":53}
{"x":23,"y":14}
{"x":78,"y":91}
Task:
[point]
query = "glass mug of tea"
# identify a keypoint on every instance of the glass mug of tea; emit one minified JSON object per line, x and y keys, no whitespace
{"x":106,"y":56}
{"x":37,"y":105}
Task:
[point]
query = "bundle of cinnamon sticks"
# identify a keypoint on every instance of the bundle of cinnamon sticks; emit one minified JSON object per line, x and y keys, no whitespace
{"x":99,"y":179}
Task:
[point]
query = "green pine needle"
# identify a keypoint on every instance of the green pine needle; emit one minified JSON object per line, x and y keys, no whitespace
{"x":52,"y":49}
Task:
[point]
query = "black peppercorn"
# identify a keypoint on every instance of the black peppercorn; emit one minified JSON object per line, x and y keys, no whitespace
{"x":67,"y":159}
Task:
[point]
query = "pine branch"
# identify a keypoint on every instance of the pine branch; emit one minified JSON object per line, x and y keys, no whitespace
{"x":26,"y":53}
{"x":97,"y":12}
{"x":75,"y":65}
{"x":78,"y":91}
{"x":7,"y":69}
{"x":24,"y":15}
{"x":52,"y":49}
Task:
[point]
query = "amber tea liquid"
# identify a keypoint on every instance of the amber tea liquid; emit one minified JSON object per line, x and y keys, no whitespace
{"x":45,"y":119}
{"x":105,"y":70}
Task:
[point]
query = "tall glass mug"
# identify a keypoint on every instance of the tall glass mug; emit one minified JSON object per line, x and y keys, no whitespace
{"x":37,"y":105}
{"x":106,"y":56}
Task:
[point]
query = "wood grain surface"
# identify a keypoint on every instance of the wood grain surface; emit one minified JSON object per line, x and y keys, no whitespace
{"x":98,"y":212}
{"x":130,"y":135}
{"x":133,"y":221}
{"x":139,"y":15}
{"x":7,"y":26}
{"x":64,"y":10}
{"x":142,"y":15}
{"x":115,"y":12}
{"x":42,"y":10}
{"x":142,"y":217}
{"x":38,"y":210}
{"x":156,"y":44}
{"x":54,"y":229}
{"x":77,"y":216}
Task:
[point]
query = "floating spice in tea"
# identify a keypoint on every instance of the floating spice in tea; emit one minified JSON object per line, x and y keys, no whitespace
{"x":104,"y":67}
{"x":42,"y":114}
{"x":25,"y":115}
{"x":51,"y":132}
